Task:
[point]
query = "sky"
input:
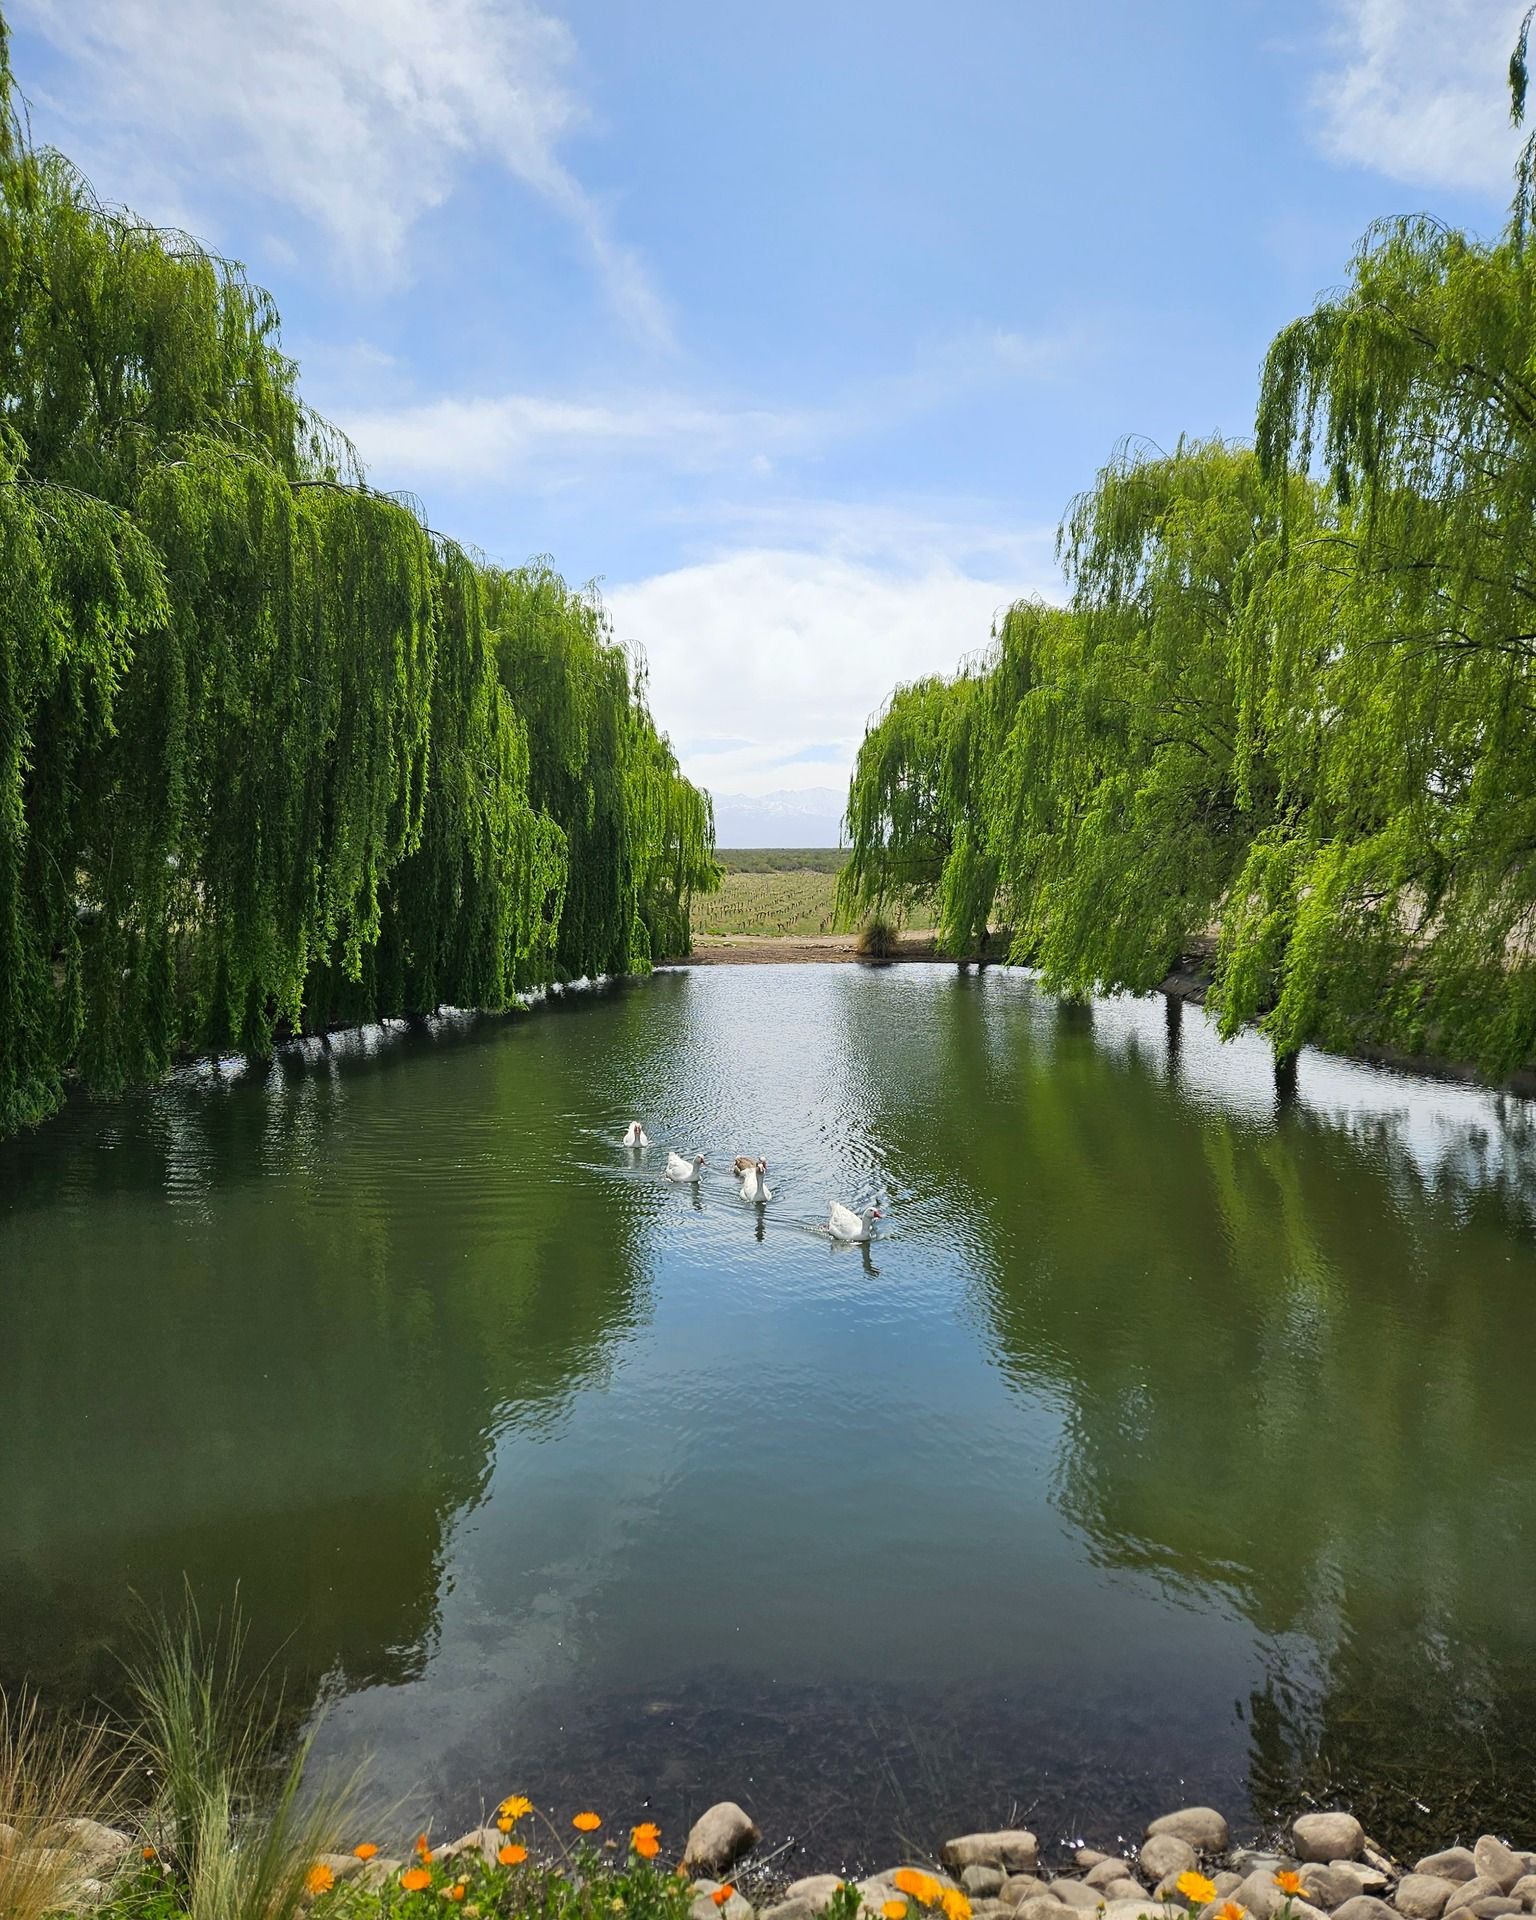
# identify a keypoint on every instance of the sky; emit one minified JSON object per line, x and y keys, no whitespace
{"x":796,"y":326}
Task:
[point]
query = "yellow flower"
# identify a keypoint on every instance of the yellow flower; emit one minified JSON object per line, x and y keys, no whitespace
{"x":586,"y":1822}
{"x":1289,"y":1883}
{"x":415,"y":1878}
{"x":921,"y":1886}
{"x":505,"y":1823}
{"x":366,"y":1851}
{"x":894,"y":1910}
{"x":512,"y":1856}
{"x":515,"y":1806}
{"x":1196,"y":1889}
{"x":319,"y":1879}
{"x":955,"y":1904}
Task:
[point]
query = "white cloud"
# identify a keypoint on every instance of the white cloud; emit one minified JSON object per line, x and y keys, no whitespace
{"x":1420,"y":91}
{"x":361,"y":114}
{"x":508,"y":436}
{"x":787,"y":651}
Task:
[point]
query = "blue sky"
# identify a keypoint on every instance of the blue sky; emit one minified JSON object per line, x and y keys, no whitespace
{"x":798,"y":325}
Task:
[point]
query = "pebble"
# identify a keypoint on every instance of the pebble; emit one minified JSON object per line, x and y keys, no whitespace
{"x":1454,"y":1863}
{"x":1327,"y":1836}
{"x":1011,"y":1847}
{"x":982,"y":1883}
{"x":719,"y":1837}
{"x":1422,"y":1896}
{"x":1498,"y":1863}
{"x":1203,"y":1827}
{"x":1165,"y":1854}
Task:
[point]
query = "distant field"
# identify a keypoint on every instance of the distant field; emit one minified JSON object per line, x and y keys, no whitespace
{"x":768,"y":902}
{"x":775,"y":891}
{"x":782,"y":859}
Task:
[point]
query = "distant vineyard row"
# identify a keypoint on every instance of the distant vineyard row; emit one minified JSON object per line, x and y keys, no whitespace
{"x":779,"y":902}
{"x":782,"y":859}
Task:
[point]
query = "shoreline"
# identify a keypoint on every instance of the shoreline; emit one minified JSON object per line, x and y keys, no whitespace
{"x":1318,"y":1866}
{"x":1189,"y":981}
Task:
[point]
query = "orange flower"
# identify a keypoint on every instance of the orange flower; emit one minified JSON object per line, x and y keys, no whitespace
{"x":1289,"y":1883}
{"x":955,"y":1904}
{"x":423,"y":1847}
{"x":319,"y":1879}
{"x":148,"y":1852}
{"x":895,"y":1910}
{"x":415,"y":1878}
{"x":455,"y":1892}
{"x":512,"y":1856}
{"x":722,"y":1894}
{"x":366,"y":1851}
{"x":921,"y":1886}
{"x":1232,"y":1911}
{"x":646,"y":1839}
{"x":1196,"y":1888}
{"x":515,"y":1806}
{"x":586,"y":1822}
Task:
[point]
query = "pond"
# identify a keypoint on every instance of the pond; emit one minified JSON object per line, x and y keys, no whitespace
{"x":1174,"y":1442}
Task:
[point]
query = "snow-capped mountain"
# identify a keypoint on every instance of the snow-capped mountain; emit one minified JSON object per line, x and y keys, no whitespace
{"x":809,"y":818}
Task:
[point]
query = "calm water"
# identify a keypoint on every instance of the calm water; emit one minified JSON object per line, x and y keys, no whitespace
{"x":1176,"y":1441}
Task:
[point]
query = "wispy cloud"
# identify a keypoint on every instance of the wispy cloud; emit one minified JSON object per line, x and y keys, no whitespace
{"x":362,"y":115}
{"x":531,"y":437}
{"x":1417,"y":91}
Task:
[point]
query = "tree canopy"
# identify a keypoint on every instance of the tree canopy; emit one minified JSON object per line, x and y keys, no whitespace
{"x":1288,"y":706}
{"x":273,"y":755}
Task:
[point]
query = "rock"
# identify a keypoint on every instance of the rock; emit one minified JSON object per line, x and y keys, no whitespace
{"x":1203,"y":1827}
{"x":718,"y":1838}
{"x":1455,"y":1863}
{"x":1137,"y":1909}
{"x":1327,"y":1836}
{"x":1364,"y":1906}
{"x":1074,"y":1893}
{"x":1012,"y":1848}
{"x":1165,"y":1854}
{"x":1107,"y":1870}
{"x":1330,"y":1884}
{"x":1498,"y":1863}
{"x":1019,"y":1887}
{"x":1492,"y":1906}
{"x":982,"y":1883}
{"x":1226,"y":1883}
{"x":1422,"y":1896}
{"x":1257,"y":1893}
{"x":99,"y":1849}
{"x":1524,"y":1890}
{"x":377,"y":1870}
{"x":344,"y":1866}
{"x":1088,"y":1857}
{"x":790,"y":1910}
{"x":1040,"y":1906}
{"x":704,"y":1908}
{"x":1477,"y":1888}
{"x":1124,"y":1889}
{"x":816,"y":1890}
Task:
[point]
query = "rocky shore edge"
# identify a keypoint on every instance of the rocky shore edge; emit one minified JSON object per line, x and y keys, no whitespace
{"x":1186,"y":1867}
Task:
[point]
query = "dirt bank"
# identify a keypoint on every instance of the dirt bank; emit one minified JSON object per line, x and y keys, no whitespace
{"x":752,"y":950}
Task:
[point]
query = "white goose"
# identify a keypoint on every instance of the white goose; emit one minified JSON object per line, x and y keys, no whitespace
{"x":844,"y":1224}
{"x":754,"y":1180}
{"x":637,"y":1135}
{"x":680,"y":1169}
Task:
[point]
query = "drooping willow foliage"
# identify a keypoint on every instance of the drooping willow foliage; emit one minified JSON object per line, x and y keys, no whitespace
{"x":273,"y":756}
{"x":1291,"y":703}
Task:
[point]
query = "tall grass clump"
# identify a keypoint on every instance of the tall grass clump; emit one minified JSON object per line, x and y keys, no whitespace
{"x":51,"y":1772}
{"x":237,"y":1825}
{"x":878,"y":939}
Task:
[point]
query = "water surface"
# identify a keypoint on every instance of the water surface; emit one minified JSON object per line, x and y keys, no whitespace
{"x":1174,"y":1442}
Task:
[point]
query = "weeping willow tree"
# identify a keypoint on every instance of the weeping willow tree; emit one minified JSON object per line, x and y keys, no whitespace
{"x":1291,"y":701}
{"x":272,"y":755}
